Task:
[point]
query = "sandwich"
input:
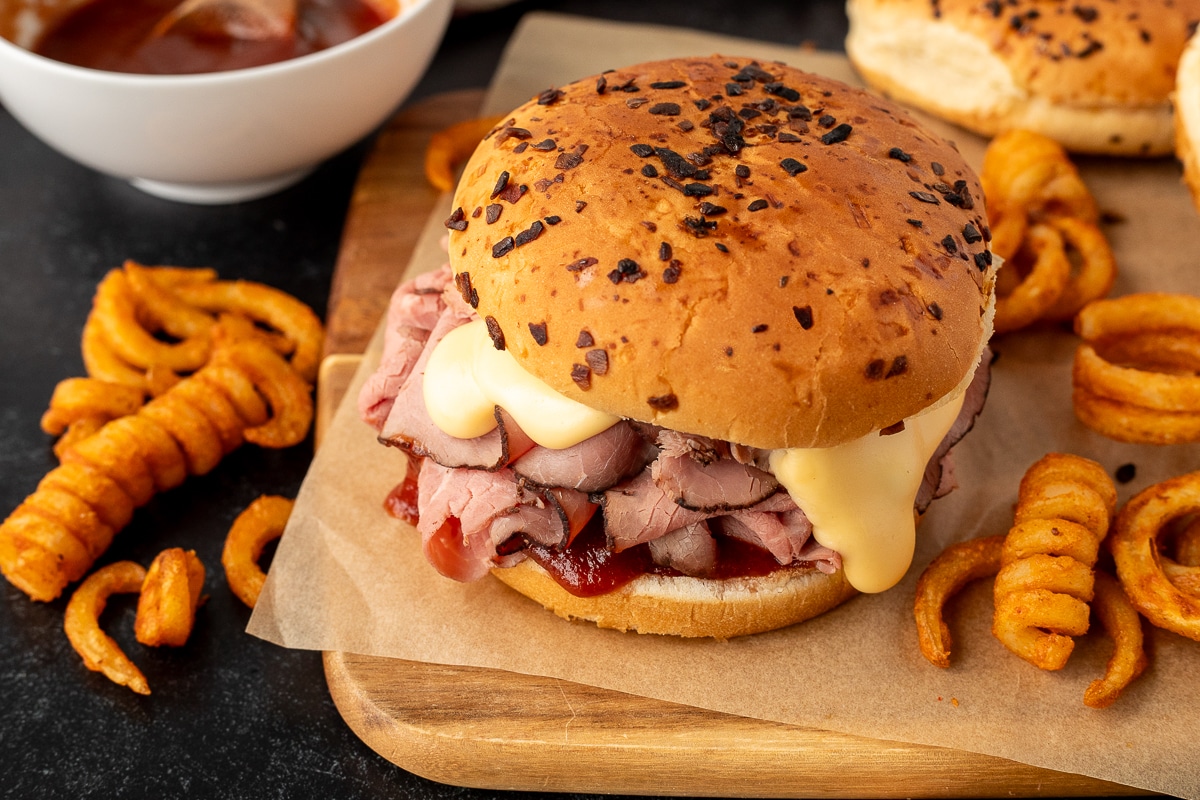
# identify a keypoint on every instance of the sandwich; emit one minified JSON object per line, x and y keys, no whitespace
{"x":708,"y":330}
{"x":1187,"y":116}
{"x":1095,"y":77}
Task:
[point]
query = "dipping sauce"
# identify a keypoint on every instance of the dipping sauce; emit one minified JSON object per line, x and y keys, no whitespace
{"x":115,"y":36}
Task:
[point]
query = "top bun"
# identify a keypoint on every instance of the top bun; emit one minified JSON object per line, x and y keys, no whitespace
{"x":1096,"y":77}
{"x":728,"y":248}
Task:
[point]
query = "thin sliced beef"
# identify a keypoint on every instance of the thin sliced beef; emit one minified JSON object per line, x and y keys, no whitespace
{"x":410,"y":428}
{"x":939,"y":471}
{"x":466,"y":516}
{"x":412,"y":314}
{"x":783,"y":534}
{"x":702,"y":475}
{"x":640,"y":510}
{"x":593,"y":465}
{"x":691,"y":550}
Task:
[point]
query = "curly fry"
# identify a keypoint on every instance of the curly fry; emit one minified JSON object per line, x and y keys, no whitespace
{"x":1136,"y":553}
{"x":451,"y":146}
{"x":1097,"y":270}
{"x":1120,"y":619}
{"x":1038,"y":205}
{"x":102,"y":362}
{"x":1042,"y":591}
{"x":120,"y":467}
{"x":261,"y":522}
{"x":117,"y":314}
{"x":267,"y":305}
{"x":1038,"y":290}
{"x":1032,"y":171}
{"x":76,"y":432}
{"x":1149,"y":391}
{"x":99,"y":651}
{"x":170,"y":596}
{"x":78,"y":398}
{"x":946,"y":575}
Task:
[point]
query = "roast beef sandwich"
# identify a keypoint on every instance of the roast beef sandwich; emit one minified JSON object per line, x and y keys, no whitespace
{"x":1095,"y":77}
{"x":708,"y":329}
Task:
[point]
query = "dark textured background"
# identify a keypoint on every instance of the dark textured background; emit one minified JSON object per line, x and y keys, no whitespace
{"x":231,"y":716}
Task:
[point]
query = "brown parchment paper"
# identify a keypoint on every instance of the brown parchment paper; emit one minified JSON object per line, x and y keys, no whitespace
{"x":347,"y":577}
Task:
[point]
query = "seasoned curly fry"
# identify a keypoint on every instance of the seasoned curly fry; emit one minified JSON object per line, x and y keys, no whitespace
{"x":261,"y":522}
{"x":1120,"y":619}
{"x":120,"y":467}
{"x":1134,"y":376}
{"x":117,"y":314}
{"x":451,"y":146}
{"x":1027,"y":170}
{"x":170,"y":596}
{"x":99,"y":651}
{"x":1040,"y":289}
{"x":1135,"y":548}
{"x":1045,"y":583}
{"x":76,"y":432}
{"x":267,"y":305}
{"x":954,"y":568}
{"x":88,"y":398}
{"x":1044,"y":225}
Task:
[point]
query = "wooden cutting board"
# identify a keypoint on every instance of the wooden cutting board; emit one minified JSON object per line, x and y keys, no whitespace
{"x":498,"y":730}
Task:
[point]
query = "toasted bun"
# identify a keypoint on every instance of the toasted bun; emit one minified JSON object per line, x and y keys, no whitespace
{"x":1187,"y":117}
{"x":710,"y":286}
{"x":1096,"y":77}
{"x":694,"y":607}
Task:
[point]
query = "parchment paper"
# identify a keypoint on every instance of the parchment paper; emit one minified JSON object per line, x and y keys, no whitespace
{"x":347,"y":577}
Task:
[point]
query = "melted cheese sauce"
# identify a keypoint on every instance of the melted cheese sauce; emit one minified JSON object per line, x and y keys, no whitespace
{"x":466,"y":377}
{"x":859,"y":495}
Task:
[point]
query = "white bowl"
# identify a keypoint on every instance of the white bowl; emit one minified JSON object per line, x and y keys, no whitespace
{"x":226,"y":136}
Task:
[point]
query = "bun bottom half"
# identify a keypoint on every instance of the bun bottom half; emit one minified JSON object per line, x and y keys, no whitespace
{"x":691,"y":607}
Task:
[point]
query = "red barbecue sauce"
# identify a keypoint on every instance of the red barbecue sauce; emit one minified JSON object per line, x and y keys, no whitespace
{"x":587,"y":568}
{"x":114,"y":35}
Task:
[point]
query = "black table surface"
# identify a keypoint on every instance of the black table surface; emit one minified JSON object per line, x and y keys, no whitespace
{"x":231,"y":716}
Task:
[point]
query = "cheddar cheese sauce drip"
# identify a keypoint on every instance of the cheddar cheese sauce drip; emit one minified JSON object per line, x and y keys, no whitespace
{"x":859,"y":495}
{"x":466,"y":377}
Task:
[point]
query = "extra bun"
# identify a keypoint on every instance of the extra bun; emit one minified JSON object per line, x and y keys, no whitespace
{"x":694,"y":607}
{"x":1096,"y":77}
{"x":1187,"y":117}
{"x":728,"y":248}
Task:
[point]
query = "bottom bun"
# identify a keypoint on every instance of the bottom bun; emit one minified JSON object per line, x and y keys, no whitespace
{"x":694,"y":607}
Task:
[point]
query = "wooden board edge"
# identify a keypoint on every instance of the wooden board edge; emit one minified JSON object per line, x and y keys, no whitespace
{"x":456,"y":725}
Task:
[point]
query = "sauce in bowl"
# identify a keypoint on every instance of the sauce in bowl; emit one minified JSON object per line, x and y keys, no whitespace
{"x":116,"y":36}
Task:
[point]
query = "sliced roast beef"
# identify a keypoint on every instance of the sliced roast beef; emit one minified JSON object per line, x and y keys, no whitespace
{"x":640,"y":510}
{"x":466,"y":516}
{"x":593,"y":465}
{"x":410,"y":428}
{"x":783,"y":534}
{"x":702,"y":474}
{"x":413,"y":312}
{"x":691,"y":550}
{"x":939,"y":471}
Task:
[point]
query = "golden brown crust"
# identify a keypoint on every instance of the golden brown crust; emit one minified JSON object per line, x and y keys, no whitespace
{"x":691,"y":607}
{"x":1187,"y":117}
{"x":780,"y":310}
{"x":1097,"y":77}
